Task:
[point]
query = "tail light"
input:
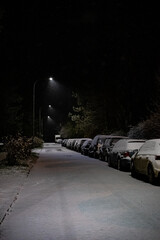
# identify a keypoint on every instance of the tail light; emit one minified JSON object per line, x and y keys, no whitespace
{"x":157,"y":157}
{"x":126,"y":154}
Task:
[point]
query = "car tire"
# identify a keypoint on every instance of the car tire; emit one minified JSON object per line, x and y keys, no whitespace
{"x":119,"y":164}
{"x":106,"y":158}
{"x":109,"y":162}
{"x":100,"y":156}
{"x":151,"y":177}
{"x":133,"y":172}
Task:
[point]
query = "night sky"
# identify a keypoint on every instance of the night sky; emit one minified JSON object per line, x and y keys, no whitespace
{"x":76,"y":40}
{"x":84,"y":45}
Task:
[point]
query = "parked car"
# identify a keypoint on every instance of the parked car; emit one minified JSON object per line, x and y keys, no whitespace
{"x":59,"y":141}
{"x":147,"y":160}
{"x":79,"y":143}
{"x":73,"y":143}
{"x":64,"y":142}
{"x":108,"y":145}
{"x":120,"y":156}
{"x":85,"y":146}
{"x":95,"y":145}
{"x":70,"y":143}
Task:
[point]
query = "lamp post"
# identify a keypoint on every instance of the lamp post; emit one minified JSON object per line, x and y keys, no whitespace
{"x":33,"y":123}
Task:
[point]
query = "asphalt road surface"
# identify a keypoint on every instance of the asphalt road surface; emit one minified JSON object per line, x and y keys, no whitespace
{"x":68,"y":196}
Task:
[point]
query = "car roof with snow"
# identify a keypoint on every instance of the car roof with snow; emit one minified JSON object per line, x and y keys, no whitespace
{"x":150,"y":147}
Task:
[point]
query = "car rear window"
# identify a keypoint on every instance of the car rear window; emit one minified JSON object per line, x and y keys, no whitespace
{"x":148,"y":147}
{"x":135,"y":145}
{"x":115,"y":140}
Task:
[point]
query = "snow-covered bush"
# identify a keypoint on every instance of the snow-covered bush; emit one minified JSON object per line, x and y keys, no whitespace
{"x":18,"y":150}
{"x":137,"y":131}
{"x":148,"y":129}
{"x":37,"y":142}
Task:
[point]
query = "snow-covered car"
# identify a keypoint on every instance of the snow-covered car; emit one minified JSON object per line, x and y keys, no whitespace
{"x":120,"y":156}
{"x":147,"y":160}
{"x":108,"y":145}
{"x":80,"y":143}
{"x":95,"y":145}
{"x":85,"y":146}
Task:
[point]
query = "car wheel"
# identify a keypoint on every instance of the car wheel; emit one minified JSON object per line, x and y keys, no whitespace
{"x":100,"y":156}
{"x":151,"y":177}
{"x":109,"y":162}
{"x":119,"y":164}
{"x":106,"y":158}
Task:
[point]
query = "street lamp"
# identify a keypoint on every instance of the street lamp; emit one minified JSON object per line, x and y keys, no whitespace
{"x":33,"y":125}
{"x":50,"y":117}
{"x":34,"y":88}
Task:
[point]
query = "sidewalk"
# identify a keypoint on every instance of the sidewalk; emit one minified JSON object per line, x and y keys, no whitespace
{"x":12,"y":179}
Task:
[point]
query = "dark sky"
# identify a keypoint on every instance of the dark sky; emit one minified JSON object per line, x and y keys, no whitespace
{"x":79,"y":43}
{"x":76,"y":40}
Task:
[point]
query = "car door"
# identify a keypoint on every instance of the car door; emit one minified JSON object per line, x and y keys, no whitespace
{"x":142,"y":158}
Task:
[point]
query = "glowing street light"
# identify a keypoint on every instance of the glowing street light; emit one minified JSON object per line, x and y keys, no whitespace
{"x":49,"y":117}
{"x":33,"y":125}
